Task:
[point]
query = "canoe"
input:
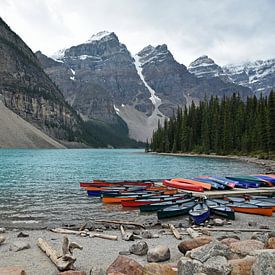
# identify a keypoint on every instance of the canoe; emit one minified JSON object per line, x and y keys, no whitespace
{"x":140,"y":202}
{"x":220,"y":210}
{"x":184,"y":186}
{"x":199,"y":213}
{"x":116,"y":183}
{"x":214,"y":185}
{"x":251,"y":179}
{"x":266,"y":178}
{"x":175,"y":210}
{"x":226,"y":182}
{"x":194,"y":182}
{"x":160,"y":205}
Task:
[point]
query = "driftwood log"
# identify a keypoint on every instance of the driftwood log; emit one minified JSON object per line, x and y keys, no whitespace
{"x":120,"y":222}
{"x":126,"y":236}
{"x":175,"y":232}
{"x":64,"y":261}
{"x":84,"y":233}
{"x":238,"y":229}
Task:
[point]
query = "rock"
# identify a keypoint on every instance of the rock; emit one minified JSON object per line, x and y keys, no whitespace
{"x":136,"y":232}
{"x":260,"y":236}
{"x":233,"y":236}
{"x":228,"y":241}
{"x":205,"y":232}
{"x":146,"y":234}
{"x":271,"y":234}
{"x":242,"y":266}
{"x":72,"y":272}
{"x":2,"y":239}
{"x":2,"y":230}
{"x":252,"y":224}
{"x":187,"y":266}
{"x":264,"y":264}
{"x":270,"y":244}
{"x":187,"y":245}
{"x":19,"y":245}
{"x":218,"y":222}
{"x":125,"y":265}
{"x":12,"y":271}
{"x":215,"y":248}
{"x":129,"y":226}
{"x":22,"y":235}
{"x":125,"y":253}
{"x":217,"y":265}
{"x":97,"y":271}
{"x":159,"y":253}
{"x":246,"y":247}
{"x":158,"y":269}
{"x":139,"y":248}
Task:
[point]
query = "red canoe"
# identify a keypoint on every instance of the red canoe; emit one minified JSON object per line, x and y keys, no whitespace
{"x":182,"y":185}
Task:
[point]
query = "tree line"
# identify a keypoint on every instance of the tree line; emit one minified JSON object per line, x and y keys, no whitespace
{"x":227,"y":126}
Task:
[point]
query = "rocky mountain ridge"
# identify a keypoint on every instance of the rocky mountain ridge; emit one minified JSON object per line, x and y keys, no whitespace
{"x":30,"y":93}
{"x":259,"y":75}
{"x":103,"y":81}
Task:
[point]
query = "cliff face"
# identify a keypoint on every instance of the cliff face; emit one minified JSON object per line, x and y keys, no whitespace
{"x":28,"y":91}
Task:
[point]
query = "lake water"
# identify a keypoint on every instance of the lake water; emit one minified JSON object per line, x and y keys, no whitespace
{"x":41,"y":187}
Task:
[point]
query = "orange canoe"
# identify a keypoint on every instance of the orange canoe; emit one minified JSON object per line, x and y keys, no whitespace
{"x":194,"y":182}
{"x":117,"y":199}
{"x":265,"y":211}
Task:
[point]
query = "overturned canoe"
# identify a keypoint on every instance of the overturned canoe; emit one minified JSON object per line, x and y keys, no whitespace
{"x":194,"y":182}
{"x":199,"y":213}
{"x":184,"y":186}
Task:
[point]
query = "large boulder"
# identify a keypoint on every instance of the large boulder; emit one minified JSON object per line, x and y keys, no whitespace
{"x":217,"y":265}
{"x":215,"y":248}
{"x":187,"y":245}
{"x":158,"y":269}
{"x":2,"y":239}
{"x":159,"y":253}
{"x":246,"y":247}
{"x":187,"y":266}
{"x":242,"y":266}
{"x":139,"y":248}
{"x":265,"y":263}
{"x":125,"y":265}
{"x":72,"y":272}
{"x":270,"y":243}
{"x":229,"y":241}
{"x":260,"y":236}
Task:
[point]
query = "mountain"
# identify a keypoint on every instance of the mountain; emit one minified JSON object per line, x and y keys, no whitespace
{"x":106,"y":84}
{"x":259,"y":76}
{"x":174,"y":85}
{"x":28,"y":91}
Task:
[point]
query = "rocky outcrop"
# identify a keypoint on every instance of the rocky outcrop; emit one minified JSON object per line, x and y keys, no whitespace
{"x":29,"y":92}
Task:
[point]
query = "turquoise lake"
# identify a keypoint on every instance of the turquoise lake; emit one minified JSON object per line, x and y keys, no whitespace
{"x":41,"y":187}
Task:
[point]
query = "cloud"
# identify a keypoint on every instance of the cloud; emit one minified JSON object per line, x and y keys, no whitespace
{"x":228,"y":31}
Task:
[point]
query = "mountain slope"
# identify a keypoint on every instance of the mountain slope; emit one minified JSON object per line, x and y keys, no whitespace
{"x":30,"y":93}
{"x":15,"y":132}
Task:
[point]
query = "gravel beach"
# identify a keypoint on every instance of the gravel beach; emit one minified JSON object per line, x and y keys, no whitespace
{"x":101,"y":253}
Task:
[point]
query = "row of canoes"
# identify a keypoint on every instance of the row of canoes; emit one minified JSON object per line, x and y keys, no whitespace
{"x":197,"y":184}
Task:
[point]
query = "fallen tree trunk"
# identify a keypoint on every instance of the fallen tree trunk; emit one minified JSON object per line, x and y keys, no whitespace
{"x":103,"y":236}
{"x":120,"y":222}
{"x":61,"y":263}
{"x":126,"y":236}
{"x":193,"y":233}
{"x":238,"y":229}
{"x":175,"y":232}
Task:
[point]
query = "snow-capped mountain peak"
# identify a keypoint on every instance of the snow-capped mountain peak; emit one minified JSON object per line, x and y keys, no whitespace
{"x":100,"y":35}
{"x":205,"y":67}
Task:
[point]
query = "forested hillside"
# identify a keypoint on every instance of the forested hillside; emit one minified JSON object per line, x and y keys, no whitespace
{"x":229,"y":126}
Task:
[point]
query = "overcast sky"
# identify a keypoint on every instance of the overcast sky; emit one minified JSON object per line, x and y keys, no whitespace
{"x":229,"y":31}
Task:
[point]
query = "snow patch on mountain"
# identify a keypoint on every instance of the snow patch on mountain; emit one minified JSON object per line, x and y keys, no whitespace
{"x":58,"y":55}
{"x":98,"y":36}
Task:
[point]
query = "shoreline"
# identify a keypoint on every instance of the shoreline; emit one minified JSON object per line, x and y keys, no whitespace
{"x":101,"y":253}
{"x":268,"y":165}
